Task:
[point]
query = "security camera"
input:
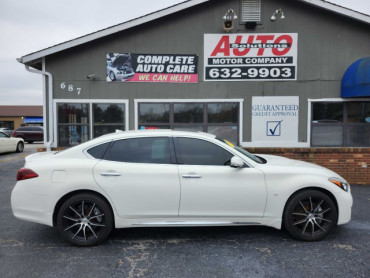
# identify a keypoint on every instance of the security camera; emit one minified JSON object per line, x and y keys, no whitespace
{"x":277,"y":12}
{"x":92,"y":76}
{"x":229,"y":18}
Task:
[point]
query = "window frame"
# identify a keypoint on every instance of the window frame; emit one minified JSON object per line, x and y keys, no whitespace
{"x":344,"y":124}
{"x":90,"y":103}
{"x":205,"y":123}
{"x":173,"y":159}
{"x":179,"y":154}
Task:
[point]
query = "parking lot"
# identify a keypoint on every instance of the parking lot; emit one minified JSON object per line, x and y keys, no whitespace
{"x":32,"y":250}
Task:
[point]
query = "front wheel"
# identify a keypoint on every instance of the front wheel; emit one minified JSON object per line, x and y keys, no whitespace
{"x":85,"y":220}
{"x":310,"y":215}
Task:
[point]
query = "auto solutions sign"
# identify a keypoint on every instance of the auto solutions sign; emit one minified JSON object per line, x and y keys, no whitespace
{"x":152,"y":68}
{"x":250,"y":57}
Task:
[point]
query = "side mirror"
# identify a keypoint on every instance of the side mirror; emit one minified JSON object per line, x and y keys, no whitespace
{"x":237,"y":162}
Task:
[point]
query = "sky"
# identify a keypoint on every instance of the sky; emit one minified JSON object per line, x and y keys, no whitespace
{"x":27,"y":26}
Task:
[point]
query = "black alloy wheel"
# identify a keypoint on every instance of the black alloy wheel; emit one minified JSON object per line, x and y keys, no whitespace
{"x":20,"y":147}
{"x":85,"y":220}
{"x":310,"y":215}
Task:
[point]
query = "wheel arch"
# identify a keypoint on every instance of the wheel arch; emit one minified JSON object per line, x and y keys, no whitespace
{"x":325,"y":191}
{"x":72,"y":193}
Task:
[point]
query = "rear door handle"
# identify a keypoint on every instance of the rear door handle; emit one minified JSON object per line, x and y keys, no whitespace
{"x":110,"y":174}
{"x":191,"y":176}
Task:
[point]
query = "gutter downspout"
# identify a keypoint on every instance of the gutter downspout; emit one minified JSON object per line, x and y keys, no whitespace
{"x":50,"y":90}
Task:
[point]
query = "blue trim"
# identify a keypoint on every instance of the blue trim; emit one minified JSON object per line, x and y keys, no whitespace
{"x":356,"y":79}
{"x":33,"y":120}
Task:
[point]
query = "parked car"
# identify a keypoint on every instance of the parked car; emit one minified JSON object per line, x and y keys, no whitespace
{"x":6,"y":130}
{"x":156,"y":178}
{"x":30,"y":134}
{"x":10,"y":144}
{"x":120,"y":68}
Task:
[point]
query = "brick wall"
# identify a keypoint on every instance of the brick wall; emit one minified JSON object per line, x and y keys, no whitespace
{"x":353,"y":164}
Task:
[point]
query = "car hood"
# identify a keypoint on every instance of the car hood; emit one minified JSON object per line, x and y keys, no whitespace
{"x":296,"y":165}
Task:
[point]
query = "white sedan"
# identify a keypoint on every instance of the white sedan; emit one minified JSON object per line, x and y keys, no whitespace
{"x":169,"y":178}
{"x":10,"y":144}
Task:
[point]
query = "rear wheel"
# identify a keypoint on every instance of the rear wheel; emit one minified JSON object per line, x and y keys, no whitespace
{"x":310,"y":215}
{"x":85,"y":220}
{"x":20,"y":147}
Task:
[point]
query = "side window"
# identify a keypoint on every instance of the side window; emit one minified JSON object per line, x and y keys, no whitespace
{"x":98,"y":151}
{"x":200,"y":152}
{"x":140,"y":150}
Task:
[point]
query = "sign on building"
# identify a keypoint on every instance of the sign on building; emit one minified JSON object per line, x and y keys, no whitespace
{"x":173,"y":68}
{"x":250,"y":57}
{"x":275,"y":119}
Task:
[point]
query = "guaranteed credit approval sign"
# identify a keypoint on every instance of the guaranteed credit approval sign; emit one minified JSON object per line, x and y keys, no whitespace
{"x":250,"y":57}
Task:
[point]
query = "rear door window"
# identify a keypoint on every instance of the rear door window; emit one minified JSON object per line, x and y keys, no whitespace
{"x":140,"y":150}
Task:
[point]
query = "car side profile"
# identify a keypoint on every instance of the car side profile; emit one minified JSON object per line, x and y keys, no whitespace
{"x":10,"y":144}
{"x":30,"y":134}
{"x":156,"y":178}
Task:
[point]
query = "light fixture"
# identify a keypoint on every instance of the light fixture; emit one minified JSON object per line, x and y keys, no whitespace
{"x":92,"y":76}
{"x":229,"y":18}
{"x":277,"y":12}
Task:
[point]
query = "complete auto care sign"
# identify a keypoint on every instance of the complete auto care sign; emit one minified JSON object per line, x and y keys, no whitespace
{"x":175,"y":68}
{"x":247,"y":57}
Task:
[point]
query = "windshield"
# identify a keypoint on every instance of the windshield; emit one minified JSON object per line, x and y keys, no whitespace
{"x":244,"y":152}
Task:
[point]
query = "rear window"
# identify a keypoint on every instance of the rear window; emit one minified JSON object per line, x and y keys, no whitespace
{"x":98,"y":151}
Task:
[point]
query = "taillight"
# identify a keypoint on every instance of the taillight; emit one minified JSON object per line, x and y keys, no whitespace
{"x":13,"y":133}
{"x":25,"y":174}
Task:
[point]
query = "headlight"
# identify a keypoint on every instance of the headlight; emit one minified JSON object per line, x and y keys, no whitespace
{"x":341,"y":183}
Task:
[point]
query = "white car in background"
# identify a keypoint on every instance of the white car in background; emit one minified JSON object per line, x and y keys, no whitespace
{"x":10,"y":144}
{"x":170,"y":178}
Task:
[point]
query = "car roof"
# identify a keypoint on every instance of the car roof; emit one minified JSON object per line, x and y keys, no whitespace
{"x":156,"y":132}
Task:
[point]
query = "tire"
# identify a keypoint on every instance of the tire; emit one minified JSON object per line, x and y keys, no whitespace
{"x":29,"y":142}
{"x":20,"y":147}
{"x":112,"y":76}
{"x":85,"y":220}
{"x":310,"y":215}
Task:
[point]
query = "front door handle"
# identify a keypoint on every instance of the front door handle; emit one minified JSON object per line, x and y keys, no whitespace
{"x":110,"y":174}
{"x":191,"y":176}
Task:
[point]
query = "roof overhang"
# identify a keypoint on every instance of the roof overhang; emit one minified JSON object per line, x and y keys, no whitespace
{"x":338,"y":10}
{"x":34,"y":59}
{"x":27,"y":59}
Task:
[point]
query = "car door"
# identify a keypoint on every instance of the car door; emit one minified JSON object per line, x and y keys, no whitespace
{"x":141,"y":177}
{"x":211,"y":188}
{"x":5,"y":143}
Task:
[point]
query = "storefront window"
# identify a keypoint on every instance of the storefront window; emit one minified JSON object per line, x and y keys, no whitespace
{"x":75,"y":126}
{"x":336,"y":124}
{"x":222,"y":112}
{"x":154,"y":113}
{"x":221,"y":119}
{"x":73,"y":123}
{"x":107,"y":118}
{"x":188,"y":113}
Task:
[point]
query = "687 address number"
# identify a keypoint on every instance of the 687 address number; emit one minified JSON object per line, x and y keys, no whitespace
{"x":250,"y":73}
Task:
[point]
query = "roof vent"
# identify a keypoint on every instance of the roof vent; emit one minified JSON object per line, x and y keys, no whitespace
{"x":251,"y":11}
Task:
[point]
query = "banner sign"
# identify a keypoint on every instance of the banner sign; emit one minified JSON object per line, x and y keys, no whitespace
{"x":250,"y":57}
{"x":275,"y":119}
{"x":172,"y":68}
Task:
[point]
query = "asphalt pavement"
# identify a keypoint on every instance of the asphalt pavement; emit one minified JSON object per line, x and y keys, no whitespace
{"x":33,"y":250}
